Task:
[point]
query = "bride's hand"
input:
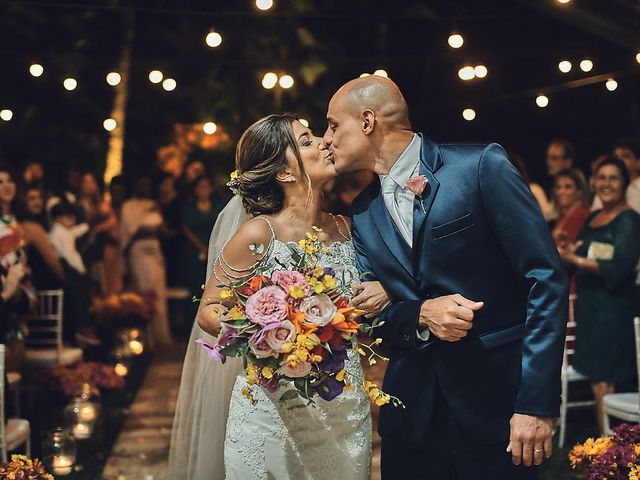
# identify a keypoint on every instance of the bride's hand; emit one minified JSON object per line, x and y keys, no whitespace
{"x":370,"y":297}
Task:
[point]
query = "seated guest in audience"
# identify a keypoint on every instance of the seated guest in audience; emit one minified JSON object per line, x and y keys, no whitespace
{"x":198,"y":218}
{"x":627,"y":150}
{"x":605,"y":258}
{"x":32,"y":205}
{"x":17,"y":299}
{"x":63,"y":235}
{"x":570,"y":194}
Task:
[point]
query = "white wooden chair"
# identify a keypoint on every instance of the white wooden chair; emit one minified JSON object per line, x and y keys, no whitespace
{"x":569,"y":374}
{"x":15,"y":431}
{"x":45,"y":328}
{"x":625,"y":406}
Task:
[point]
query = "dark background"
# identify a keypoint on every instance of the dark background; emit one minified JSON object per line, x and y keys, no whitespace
{"x":322,"y":43}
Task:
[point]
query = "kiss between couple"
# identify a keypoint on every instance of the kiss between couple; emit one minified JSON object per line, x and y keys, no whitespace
{"x":448,"y":249}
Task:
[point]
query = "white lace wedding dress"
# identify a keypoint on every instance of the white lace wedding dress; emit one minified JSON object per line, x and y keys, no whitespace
{"x":270,"y":440}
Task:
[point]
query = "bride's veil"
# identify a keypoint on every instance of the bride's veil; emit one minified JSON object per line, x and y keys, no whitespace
{"x":197,"y":439}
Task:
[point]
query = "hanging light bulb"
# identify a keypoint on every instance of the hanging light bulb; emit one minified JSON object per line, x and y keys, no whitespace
{"x":304,"y":122}
{"x":70,"y":83}
{"x":109,"y":124}
{"x":286,"y":81}
{"x":480,"y":71}
{"x":264,"y":4}
{"x":638,"y":57}
{"x":611,"y":84}
{"x":209,"y":128}
{"x":169,"y":84}
{"x":36,"y":69}
{"x":362,"y":75}
{"x":565,"y":66}
{"x":469,"y":114}
{"x":467,"y":73}
{"x":269,"y":80}
{"x":155,"y":76}
{"x":213,"y":39}
{"x":586,"y":65}
{"x":542,"y":101}
{"x":6,"y":115}
{"x":113,"y":78}
{"x":564,"y":1}
{"x":455,"y":40}
{"x":381,"y":73}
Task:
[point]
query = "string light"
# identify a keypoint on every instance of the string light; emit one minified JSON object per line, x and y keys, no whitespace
{"x":638,"y":57}
{"x":36,"y":70}
{"x":269,"y":80}
{"x":304,"y":122}
{"x":480,"y":71}
{"x":381,"y":73}
{"x":6,"y":115}
{"x":586,"y":65}
{"x":542,"y":101}
{"x":155,"y":76}
{"x":109,"y":124}
{"x":286,"y":81}
{"x":565,"y":66}
{"x":362,"y":75}
{"x":169,"y":84}
{"x":467,"y":73}
{"x":611,"y":84}
{"x":70,"y":83}
{"x":113,"y":78}
{"x":455,"y":40}
{"x":469,"y":114}
{"x":213,"y":39}
{"x":564,"y":1}
{"x":209,"y":128}
{"x":121,"y":369}
{"x":264,"y":4}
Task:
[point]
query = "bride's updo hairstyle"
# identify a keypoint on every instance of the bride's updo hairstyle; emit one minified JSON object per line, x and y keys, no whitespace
{"x":262,"y":153}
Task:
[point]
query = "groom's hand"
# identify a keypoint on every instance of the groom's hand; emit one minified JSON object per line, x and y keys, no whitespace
{"x":450,"y":317}
{"x":530,"y":439}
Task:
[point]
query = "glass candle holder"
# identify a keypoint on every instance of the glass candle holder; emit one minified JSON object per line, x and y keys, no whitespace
{"x":59,"y":452}
{"x":82,"y":412}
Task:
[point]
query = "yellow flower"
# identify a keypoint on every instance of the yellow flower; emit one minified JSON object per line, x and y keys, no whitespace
{"x":383,"y":399}
{"x":634,"y":473}
{"x":267,"y":372}
{"x":287,"y":347}
{"x":248,"y":394}
{"x":329,"y":281}
{"x":372,"y":361}
{"x":226,"y":294}
{"x":236,"y":313}
{"x":252,"y":374}
{"x":318,"y":272}
{"x":340,"y":375}
{"x":316,"y":358}
{"x":234,"y":175}
{"x":316,"y":229}
{"x":296,"y":292}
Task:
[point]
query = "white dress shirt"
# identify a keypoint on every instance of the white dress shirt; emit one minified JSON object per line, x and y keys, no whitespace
{"x":397,"y":197}
{"x":64,"y":242}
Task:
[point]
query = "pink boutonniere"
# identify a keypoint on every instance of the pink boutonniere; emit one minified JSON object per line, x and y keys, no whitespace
{"x":417,"y":185}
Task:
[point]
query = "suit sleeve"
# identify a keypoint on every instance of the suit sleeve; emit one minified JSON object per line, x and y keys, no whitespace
{"x":519,"y":226}
{"x":400,"y":318}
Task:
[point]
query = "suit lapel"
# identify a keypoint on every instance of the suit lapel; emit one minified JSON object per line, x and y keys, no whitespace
{"x":430,"y":162}
{"x":389,"y":232}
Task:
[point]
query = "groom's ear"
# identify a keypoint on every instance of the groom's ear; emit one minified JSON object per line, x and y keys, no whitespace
{"x":368,"y":119}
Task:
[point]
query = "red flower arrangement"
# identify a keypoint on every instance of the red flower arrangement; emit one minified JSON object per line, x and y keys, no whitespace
{"x":70,"y":379}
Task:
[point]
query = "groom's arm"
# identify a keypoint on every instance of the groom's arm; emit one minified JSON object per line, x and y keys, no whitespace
{"x":519,"y":226}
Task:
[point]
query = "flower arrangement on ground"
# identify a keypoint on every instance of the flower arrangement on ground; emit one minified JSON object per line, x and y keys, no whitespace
{"x":69,"y":379}
{"x":121,"y":305}
{"x":22,"y":468}
{"x":294,"y":327}
{"x":614,"y":457}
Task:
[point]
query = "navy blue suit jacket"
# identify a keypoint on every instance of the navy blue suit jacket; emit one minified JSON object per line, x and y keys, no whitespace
{"x":483,"y":236}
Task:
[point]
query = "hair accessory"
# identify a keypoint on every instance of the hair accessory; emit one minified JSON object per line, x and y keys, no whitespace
{"x":235,"y":180}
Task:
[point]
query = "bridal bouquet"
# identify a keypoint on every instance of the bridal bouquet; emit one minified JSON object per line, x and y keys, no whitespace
{"x":615,"y":457}
{"x":294,"y":328}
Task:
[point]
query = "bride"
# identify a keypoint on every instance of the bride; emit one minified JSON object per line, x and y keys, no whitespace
{"x":218,"y":433}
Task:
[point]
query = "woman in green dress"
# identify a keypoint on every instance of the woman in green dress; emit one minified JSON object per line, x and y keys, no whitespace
{"x":605,"y":257}
{"x":198,"y":219}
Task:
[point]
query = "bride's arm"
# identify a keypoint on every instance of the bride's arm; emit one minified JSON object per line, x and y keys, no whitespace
{"x":236,"y":256}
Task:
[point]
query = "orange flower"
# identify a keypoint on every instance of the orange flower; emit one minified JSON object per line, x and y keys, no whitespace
{"x":345,"y":320}
{"x":257,"y":281}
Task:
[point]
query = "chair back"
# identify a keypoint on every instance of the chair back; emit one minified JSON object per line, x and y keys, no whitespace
{"x":569,"y":341}
{"x":45,"y":323}
{"x":636,"y":327}
{"x":3,"y":440}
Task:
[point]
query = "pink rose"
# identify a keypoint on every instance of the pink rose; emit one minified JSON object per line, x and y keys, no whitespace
{"x":288,"y":278}
{"x":267,"y":305}
{"x":300,"y":370}
{"x":262,"y":349}
{"x":318,"y":309}
{"x":416,"y":184}
{"x":286,"y":332}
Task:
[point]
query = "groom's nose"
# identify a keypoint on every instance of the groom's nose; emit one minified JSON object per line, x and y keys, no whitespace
{"x":326,"y":138}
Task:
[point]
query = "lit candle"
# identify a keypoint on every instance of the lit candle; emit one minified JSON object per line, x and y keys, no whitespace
{"x":61,"y":464}
{"x":87,"y":413}
{"x":81,"y":431}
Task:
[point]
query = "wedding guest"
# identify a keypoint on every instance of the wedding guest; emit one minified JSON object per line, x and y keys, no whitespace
{"x":113,"y":258}
{"x":627,"y":150}
{"x":33,"y":174}
{"x":193,"y":170}
{"x":63,"y":236}
{"x":570,"y":194}
{"x":141,"y":224}
{"x":561,"y":155}
{"x":171,"y":240}
{"x":605,"y":259}
{"x":32,"y":205}
{"x":199,"y":217}
{"x":538,"y":192}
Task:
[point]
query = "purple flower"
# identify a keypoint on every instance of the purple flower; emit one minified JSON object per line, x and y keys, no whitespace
{"x":329,"y":271}
{"x":329,"y":389}
{"x":334,"y":362}
{"x":213,"y":351}
{"x":626,"y":434}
